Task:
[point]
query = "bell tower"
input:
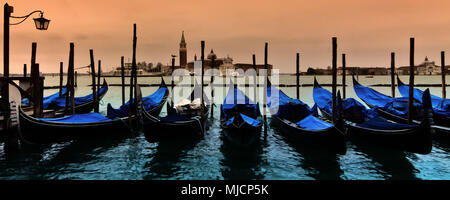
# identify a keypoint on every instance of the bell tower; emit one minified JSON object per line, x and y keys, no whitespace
{"x":183,"y":53}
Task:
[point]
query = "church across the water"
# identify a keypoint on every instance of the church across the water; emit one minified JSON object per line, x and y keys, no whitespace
{"x":221,"y":63}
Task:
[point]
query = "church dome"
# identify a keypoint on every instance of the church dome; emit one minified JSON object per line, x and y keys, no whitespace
{"x":212,"y":55}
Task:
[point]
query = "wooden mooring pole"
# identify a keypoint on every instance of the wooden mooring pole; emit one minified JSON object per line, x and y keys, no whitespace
{"x":61,"y":77}
{"x":33,"y":53}
{"x":122,"y":70}
{"x":76,"y":79}
{"x":343,"y":76}
{"x":99,"y":75}
{"x":393,"y":74}
{"x":24,"y":70}
{"x":70,"y":78}
{"x":203,"y":68}
{"x":411,"y":81}
{"x":172,"y":79}
{"x":266,"y":46}
{"x":255,"y":81}
{"x":212,"y":85}
{"x":132,"y":110}
{"x":37,"y":88}
{"x":334,"y":74}
{"x":443,"y":73}
{"x":94,"y":93}
{"x":297,"y":74}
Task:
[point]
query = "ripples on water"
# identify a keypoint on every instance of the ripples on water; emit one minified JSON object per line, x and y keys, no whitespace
{"x":212,"y":157}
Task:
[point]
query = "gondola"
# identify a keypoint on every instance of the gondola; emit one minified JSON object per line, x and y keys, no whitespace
{"x":396,"y":109}
{"x":441,"y":107}
{"x":152,"y":103}
{"x":300,"y":123}
{"x":75,"y":127}
{"x":364,"y":124}
{"x":83,"y":104}
{"x":186,"y":121}
{"x":46,"y":100}
{"x":240,"y":118}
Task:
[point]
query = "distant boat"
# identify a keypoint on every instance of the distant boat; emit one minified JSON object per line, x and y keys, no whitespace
{"x":369,"y":76}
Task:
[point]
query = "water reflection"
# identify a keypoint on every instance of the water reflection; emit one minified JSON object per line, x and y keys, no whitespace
{"x":390,"y":162}
{"x":81,"y":151}
{"x":241,"y":162}
{"x":442,"y":143}
{"x":319,"y":162}
{"x":25,"y":164}
{"x":165,"y":162}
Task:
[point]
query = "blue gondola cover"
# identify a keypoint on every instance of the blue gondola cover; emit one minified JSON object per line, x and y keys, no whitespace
{"x":79,"y":118}
{"x":440,"y":106}
{"x":397,"y":106}
{"x":149,"y":102}
{"x":238,"y":106}
{"x":379,"y":123}
{"x":250,"y":121}
{"x":285,"y":107}
{"x":313,"y":123}
{"x":61,"y":101}
{"x":352,"y":109}
{"x":47,"y":101}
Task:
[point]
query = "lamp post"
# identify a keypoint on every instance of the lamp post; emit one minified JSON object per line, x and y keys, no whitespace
{"x":41,"y":24}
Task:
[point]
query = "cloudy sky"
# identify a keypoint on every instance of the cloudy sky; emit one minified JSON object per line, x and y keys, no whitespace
{"x":367,"y":30}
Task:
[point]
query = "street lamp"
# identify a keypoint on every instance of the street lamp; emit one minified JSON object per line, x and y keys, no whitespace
{"x":41,"y":24}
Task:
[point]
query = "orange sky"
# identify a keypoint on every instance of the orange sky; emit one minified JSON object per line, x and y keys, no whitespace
{"x":367,"y":30}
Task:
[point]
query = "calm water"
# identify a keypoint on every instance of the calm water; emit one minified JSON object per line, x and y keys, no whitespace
{"x":211,"y":157}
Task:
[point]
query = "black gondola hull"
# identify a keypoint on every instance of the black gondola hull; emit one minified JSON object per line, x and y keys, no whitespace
{"x":437,"y":132}
{"x":36,"y":131}
{"x":241,"y":134}
{"x":416,"y":140}
{"x":156,"y":130}
{"x":331,"y":139}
